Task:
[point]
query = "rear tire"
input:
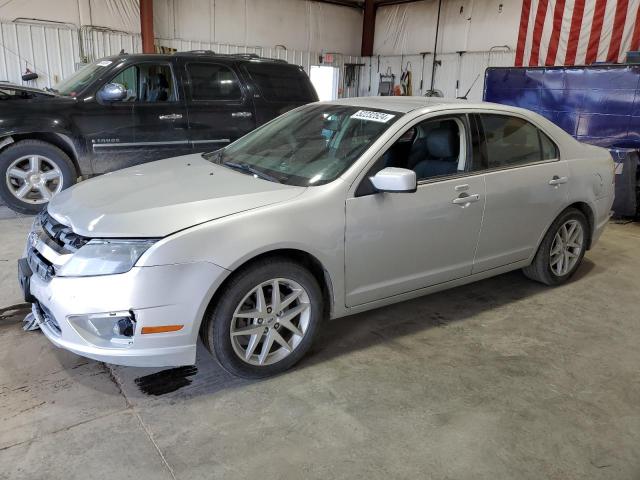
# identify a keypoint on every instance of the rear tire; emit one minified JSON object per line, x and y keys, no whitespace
{"x":255,"y":336}
{"x":31,"y":172}
{"x":562,"y":249}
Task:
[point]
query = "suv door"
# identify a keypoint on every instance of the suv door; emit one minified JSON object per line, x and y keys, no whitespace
{"x":400,"y":242}
{"x":149,"y":124}
{"x":219,"y":107}
{"x":526,"y":189}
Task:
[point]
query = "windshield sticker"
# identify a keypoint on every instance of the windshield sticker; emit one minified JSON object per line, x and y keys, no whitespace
{"x":104,"y":63}
{"x":372,"y":116}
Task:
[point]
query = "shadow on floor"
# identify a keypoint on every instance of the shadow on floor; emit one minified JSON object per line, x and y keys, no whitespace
{"x":356,"y":332}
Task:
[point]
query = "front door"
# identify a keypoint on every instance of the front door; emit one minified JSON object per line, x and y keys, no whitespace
{"x":400,"y":242}
{"x":220,"y":109}
{"x":526,"y":187}
{"x":149,"y":124}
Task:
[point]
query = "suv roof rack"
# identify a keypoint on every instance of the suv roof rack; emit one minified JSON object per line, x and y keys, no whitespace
{"x":246,"y":56}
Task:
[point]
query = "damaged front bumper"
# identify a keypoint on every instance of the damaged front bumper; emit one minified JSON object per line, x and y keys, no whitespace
{"x":81,"y":314}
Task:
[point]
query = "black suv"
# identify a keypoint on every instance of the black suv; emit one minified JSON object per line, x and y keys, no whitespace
{"x":129,"y":109}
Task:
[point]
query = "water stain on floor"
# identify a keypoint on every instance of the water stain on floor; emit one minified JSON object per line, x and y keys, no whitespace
{"x":166,"y":381}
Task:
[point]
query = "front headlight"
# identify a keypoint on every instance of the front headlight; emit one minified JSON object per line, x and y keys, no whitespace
{"x":104,"y":257}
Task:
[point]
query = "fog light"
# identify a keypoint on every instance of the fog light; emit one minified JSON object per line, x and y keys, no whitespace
{"x":123,"y":327}
{"x":109,"y":329}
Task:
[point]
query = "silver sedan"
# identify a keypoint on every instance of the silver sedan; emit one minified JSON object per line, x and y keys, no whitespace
{"x":331,"y":209}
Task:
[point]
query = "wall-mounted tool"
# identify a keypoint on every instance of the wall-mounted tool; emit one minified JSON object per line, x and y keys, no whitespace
{"x":387,"y":81}
{"x":406,"y":82}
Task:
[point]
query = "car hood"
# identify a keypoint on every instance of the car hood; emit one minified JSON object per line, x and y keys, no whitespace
{"x":159,"y":198}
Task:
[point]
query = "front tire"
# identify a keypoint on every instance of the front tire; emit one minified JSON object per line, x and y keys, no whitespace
{"x":562,"y":249}
{"x":31,"y":173}
{"x":265,"y":319}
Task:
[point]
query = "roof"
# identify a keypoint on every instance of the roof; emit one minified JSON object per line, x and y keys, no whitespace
{"x":197,"y":54}
{"x":408,"y":104}
{"x":396,"y":103}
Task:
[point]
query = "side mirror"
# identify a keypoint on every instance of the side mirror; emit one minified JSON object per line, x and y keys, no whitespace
{"x":398,"y":180}
{"x":113,"y":92}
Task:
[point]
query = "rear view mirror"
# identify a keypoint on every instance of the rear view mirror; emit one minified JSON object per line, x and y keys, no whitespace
{"x":113,"y":92}
{"x":395,"y":180}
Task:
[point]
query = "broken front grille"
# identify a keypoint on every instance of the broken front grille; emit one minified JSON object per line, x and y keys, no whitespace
{"x":59,"y":239}
{"x":60,"y":234}
{"x":40,"y":265}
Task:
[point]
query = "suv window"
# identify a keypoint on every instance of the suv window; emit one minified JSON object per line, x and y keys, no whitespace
{"x":280,"y":83}
{"x":512,"y":141}
{"x":211,"y":81}
{"x":147,"y":83}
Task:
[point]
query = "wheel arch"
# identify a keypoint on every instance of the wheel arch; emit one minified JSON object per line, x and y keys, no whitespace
{"x":59,"y":140}
{"x":307,"y":260}
{"x":580,"y":206}
{"x":588,"y":212}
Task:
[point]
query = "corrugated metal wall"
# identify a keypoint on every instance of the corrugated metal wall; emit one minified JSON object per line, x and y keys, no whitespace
{"x":53,"y":51}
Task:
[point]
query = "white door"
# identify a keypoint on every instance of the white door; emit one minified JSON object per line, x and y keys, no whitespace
{"x":399,"y":242}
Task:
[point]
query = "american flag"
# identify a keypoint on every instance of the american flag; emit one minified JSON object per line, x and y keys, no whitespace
{"x":577,"y":32}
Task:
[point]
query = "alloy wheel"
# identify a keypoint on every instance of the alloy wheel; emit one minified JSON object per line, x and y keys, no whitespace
{"x":566,"y":247}
{"x":34,"y":179}
{"x":270,"y":322}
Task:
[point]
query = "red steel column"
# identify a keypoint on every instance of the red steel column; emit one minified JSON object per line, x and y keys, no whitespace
{"x":368,"y":28}
{"x":146,"y":26}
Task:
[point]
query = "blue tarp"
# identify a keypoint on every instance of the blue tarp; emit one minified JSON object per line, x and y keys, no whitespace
{"x":595,"y":104}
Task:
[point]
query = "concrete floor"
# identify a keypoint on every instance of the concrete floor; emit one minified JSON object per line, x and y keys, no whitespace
{"x":500,"y":379}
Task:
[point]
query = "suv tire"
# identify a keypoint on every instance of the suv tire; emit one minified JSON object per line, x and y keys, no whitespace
{"x":31,"y":172}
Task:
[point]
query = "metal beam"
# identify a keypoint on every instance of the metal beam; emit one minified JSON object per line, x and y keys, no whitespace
{"x":146,"y":26}
{"x":368,"y":28}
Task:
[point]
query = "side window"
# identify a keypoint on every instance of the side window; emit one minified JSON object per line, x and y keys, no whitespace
{"x":433,"y":149}
{"x":211,"y":81}
{"x":280,"y":83}
{"x":512,"y":141}
{"x":549,"y":149}
{"x":430,"y":148}
{"x":147,"y":83}
{"x":129,"y":79}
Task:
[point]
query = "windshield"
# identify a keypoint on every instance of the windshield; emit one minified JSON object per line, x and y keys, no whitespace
{"x":73,"y":85}
{"x":310,"y":146}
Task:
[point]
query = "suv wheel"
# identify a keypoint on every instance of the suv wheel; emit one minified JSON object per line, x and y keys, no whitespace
{"x":266,"y":319}
{"x":561,"y":250}
{"x":32,"y":173}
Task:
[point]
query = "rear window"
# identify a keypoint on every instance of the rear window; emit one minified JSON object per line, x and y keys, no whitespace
{"x":281,"y":83}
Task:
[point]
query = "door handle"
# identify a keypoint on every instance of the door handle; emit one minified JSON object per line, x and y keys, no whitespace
{"x":556,"y":180}
{"x":461,"y":188}
{"x":171,"y":116}
{"x":465,"y":199}
{"x":241,"y":114}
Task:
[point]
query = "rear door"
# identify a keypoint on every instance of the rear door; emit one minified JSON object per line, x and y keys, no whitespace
{"x":277,"y":88}
{"x":526,"y":185}
{"x":220,"y":109}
